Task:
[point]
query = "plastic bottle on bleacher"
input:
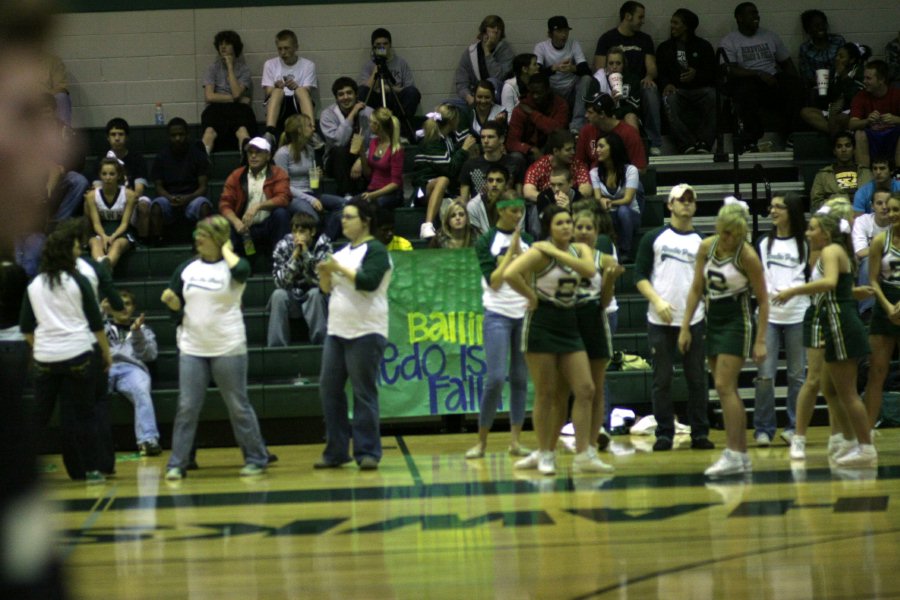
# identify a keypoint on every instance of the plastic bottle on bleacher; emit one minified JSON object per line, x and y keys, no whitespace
{"x":159,"y":116}
{"x":249,"y":247}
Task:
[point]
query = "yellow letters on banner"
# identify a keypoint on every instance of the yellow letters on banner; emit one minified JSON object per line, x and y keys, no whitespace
{"x":451,"y":327}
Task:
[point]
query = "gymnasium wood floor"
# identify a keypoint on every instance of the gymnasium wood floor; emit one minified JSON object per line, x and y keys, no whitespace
{"x":430,"y":524}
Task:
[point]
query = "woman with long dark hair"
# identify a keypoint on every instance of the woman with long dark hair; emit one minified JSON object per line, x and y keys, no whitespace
{"x":617,"y":188}
{"x":783,"y":253}
{"x":110,"y":209}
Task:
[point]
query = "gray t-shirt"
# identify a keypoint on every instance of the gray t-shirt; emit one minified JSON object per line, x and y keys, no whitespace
{"x":217,"y":76}
{"x":759,"y":52}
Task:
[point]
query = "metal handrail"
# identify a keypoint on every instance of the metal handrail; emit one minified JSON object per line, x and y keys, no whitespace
{"x":759,"y":175}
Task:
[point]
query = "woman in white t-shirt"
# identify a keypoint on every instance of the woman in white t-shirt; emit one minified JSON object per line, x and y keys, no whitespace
{"x":205,"y":292}
{"x":617,"y":187}
{"x":784,"y":253}
{"x":357,"y":278}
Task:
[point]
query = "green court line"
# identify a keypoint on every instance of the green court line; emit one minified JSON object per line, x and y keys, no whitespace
{"x":410,"y":462}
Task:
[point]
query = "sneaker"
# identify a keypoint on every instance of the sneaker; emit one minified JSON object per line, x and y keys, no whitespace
{"x":750,"y":148}
{"x":589,"y":462}
{"x":787,"y":435}
{"x":519,"y":450}
{"x":299,"y":380}
{"x":798,"y":447}
{"x":655,"y":151}
{"x":843,"y":448}
{"x":325,"y":464}
{"x":863,"y":455}
{"x":566,"y":444}
{"x":476,"y":451}
{"x":730,"y":463}
{"x":835,"y":442}
{"x":175,"y":474}
{"x":251,"y":470}
{"x":690,"y":149}
{"x":702,"y":148}
{"x":529,"y":462}
{"x":702,"y":443}
{"x":763,"y":440}
{"x":426,"y":231}
{"x":271,"y":459}
{"x":368,"y":463}
{"x":150,"y":449}
{"x":547,"y":462}
{"x":662,"y":444}
{"x":94,"y":478}
{"x":603,"y":439}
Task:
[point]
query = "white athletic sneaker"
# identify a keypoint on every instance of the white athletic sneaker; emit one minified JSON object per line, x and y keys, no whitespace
{"x":787,"y":435}
{"x":529,"y":462}
{"x":426,"y":230}
{"x":864,"y":455}
{"x":763,"y":440}
{"x":798,"y":447}
{"x":834,"y":443}
{"x":844,"y":448}
{"x":589,"y":462}
{"x":730,"y":463}
{"x":547,"y":462}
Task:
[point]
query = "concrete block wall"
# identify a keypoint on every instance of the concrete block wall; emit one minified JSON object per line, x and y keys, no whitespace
{"x":122,"y":63}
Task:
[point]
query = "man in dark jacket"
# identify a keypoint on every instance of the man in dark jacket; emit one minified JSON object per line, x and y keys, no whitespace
{"x":687,"y":67}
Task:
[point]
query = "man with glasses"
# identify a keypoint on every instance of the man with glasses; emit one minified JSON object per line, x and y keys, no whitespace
{"x":664,"y":270}
{"x":600,"y":111}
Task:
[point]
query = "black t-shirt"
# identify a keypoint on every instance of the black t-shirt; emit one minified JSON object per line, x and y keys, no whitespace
{"x":635,"y":47}
{"x":474,"y":171}
{"x":179,"y":173}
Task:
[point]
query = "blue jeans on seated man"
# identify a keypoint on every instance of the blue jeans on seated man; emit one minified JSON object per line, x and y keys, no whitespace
{"x":133,"y":382}
{"x":302,"y":202}
{"x":191,"y":210}
{"x":764,"y":398}
{"x":358,"y":359}
{"x":283,"y":307}
{"x":267,"y":234}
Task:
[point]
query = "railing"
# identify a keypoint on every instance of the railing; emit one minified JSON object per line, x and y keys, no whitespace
{"x":759,"y":176}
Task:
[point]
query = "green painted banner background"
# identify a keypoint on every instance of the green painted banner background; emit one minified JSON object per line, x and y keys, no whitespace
{"x":434,"y":361}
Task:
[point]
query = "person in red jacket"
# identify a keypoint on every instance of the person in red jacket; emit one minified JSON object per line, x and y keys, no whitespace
{"x":538,"y":114}
{"x":255,"y":200}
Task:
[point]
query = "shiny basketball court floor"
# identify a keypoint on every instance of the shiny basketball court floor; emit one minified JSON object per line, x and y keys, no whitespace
{"x":430,"y":524}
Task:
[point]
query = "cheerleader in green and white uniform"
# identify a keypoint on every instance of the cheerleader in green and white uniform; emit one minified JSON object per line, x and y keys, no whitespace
{"x":727,"y":269}
{"x":884,"y":330}
{"x":844,"y":332}
{"x":548,"y":275}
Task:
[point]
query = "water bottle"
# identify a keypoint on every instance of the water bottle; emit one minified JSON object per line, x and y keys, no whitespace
{"x":249,"y":248}
{"x":159,"y":117}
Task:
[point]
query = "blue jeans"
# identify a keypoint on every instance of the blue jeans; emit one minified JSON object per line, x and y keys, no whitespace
{"x":302,"y":202}
{"x":358,"y":359}
{"x":663,"y":344}
{"x":650,"y":116}
{"x":502,"y":347}
{"x":627,"y":222}
{"x":283,"y":307}
{"x":134,"y":383}
{"x":191,"y":211}
{"x":230,"y":375}
{"x":764,"y":399}
{"x":268,"y":233}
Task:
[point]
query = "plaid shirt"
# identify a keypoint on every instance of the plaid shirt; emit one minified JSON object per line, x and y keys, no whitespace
{"x":298,"y":276}
{"x":811,"y":58}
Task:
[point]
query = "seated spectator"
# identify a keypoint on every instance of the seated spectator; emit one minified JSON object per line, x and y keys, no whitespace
{"x":687,"y":74}
{"x":538,"y":113}
{"x":892,"y":58}
{"x":818,"y":51}
{"x":65,"y":184}
{"x":843,"y":177}
{"x":57,"y":85}
{"x":617,"y":188}
{"x":110,"y":210}
{"x":441,"y":154}
{"x":180,"y":172}
{"x":561,"y":155}
{"x":831,"y":113}
{"x":400,"y":89}
{"x":600,"y":111}
{"x":865,"y":228}
{"x":881,"y":182}
{"x":482,"y":207}
{"x":563,"y":59}
{"x":382,"y":166}
{"x":345,"y":126}
{"x":762,"y":75}
{"x":297,"y":156}
{"x":297,"y":283}
{"x":132,"y":345}
{"x":875,"y":115}
{"x":456,"y":231}
{"x":117,"y":132}
{"x":641,"y":61}
{"x":489,"y":57}
{"x":561,"y":193}
{"x":384,"y":231}
{"x":255,"y":201}
{"x":493,"y":152}
{"x":289,"y":81}
{"x":227,"y":89}
{"x":485,"y":108}
{"x":628,"y":102}
{"x":524,"y":66}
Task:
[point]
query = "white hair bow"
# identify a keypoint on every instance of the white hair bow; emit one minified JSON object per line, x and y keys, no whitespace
{"x":733,"y":200}
{"x":823,"y":210}
{"x":112,"y":154}
{"x":435,"y":116}
{"x":844,"y":226}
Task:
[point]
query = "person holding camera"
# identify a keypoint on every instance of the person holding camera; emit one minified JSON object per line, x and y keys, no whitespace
{"x":384,"y":66}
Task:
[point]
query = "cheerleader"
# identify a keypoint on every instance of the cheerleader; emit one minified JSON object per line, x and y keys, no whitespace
{"x":110,"y":208}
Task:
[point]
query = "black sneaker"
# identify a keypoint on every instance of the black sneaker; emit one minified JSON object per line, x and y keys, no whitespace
{"x":662,"y":444}
{"x":150,"y":449}
{"x":702,"y":443}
